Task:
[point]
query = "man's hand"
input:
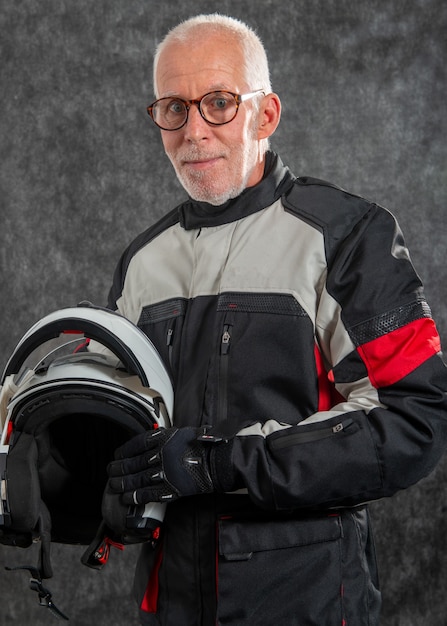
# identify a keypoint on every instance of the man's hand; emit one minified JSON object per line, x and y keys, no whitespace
{"x":163,"y":465}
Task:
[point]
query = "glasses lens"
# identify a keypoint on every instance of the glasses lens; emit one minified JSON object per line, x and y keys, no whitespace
{"x":218,"y":107}
{"x":169,"y":113}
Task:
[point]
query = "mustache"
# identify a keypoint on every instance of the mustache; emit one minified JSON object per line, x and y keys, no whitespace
{"x":193,"y":154}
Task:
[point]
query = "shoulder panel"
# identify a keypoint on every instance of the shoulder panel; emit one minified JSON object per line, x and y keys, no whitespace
{"x":166,"y":222}
{"x":326,"y":207}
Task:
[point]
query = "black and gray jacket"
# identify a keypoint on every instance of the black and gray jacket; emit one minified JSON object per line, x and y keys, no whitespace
{"x":292,"y":318}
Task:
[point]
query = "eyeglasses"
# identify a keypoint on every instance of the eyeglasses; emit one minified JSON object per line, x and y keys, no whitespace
{"x":216,"y":108}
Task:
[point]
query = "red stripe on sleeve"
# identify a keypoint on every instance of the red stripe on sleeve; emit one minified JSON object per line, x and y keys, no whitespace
{"x":328,"y":396}
{"x":395,"y":355}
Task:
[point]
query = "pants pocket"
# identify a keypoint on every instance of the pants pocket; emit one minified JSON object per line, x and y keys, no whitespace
{"x":285,"y":571}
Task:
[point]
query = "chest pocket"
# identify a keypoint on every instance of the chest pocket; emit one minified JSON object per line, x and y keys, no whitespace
{"x":264,"y":364}
{"x":163,"y":323}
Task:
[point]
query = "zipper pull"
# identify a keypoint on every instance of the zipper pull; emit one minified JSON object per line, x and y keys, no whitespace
{"x":226,"y":338}
{"x":169,"y":337}
{"x":170,"y":341}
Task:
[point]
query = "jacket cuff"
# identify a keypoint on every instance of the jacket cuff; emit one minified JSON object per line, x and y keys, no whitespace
{"x":223,"y":472}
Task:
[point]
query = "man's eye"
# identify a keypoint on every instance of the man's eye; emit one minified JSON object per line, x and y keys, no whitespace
{"x":220,"y":103}
{"x":176,"y":107}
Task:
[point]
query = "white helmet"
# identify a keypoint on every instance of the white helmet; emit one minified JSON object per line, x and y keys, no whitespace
{"x":63,"y":413}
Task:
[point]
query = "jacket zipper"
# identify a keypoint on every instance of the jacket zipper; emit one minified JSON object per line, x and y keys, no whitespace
{"x":309,"y":436}
{"x":225,"y":344}
{"x":170,"y":340}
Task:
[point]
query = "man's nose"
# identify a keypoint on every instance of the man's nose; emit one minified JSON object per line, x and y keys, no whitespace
{"x":196,"y":128}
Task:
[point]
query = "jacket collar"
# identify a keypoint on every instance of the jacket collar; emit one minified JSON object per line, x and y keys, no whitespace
{"x":277,"y":179}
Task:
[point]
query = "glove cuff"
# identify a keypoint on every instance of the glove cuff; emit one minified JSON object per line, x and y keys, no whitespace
{"x":223,"y":472}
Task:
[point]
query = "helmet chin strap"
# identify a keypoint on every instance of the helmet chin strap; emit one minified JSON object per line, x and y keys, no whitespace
{"x":35,"y":584}
{"x":44,"y":569}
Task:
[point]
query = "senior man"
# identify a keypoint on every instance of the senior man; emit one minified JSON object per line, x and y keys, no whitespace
{"x":306,"y":366}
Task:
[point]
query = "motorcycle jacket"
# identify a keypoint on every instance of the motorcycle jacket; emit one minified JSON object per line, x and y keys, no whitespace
{"x":291,"y":320}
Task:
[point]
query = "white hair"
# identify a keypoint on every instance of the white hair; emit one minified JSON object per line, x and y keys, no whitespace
{"x":256,"y":69}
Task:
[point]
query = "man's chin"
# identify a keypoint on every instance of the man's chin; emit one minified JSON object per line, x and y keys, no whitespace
{"x":214,"y":197}
{"x":214,"y":200}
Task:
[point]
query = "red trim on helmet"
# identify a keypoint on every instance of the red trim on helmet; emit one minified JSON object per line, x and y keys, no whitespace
{"x":82,"y":346}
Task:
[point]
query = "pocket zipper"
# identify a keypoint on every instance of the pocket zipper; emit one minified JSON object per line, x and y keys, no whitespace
{"x":223,"y":372}
{"x":170,"y":341}
{"x":309,"y":436}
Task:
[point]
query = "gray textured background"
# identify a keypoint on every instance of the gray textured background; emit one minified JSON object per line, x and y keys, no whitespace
{"x":363,"y":86}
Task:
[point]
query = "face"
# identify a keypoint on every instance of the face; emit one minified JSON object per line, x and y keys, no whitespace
{"x":213,"y":163}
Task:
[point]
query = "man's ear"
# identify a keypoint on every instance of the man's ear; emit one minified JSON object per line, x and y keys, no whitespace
{"x":269,"y":115}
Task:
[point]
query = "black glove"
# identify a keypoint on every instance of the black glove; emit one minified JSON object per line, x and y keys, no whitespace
{"x":167,"y":463}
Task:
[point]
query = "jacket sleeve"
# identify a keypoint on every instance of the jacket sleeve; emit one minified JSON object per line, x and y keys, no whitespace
{"x":382,"y":352}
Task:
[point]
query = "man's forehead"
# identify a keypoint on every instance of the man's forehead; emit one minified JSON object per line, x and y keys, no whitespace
{"x":210,"y":65}
{"x":219,"y":46}
{"x":211,"y":87}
